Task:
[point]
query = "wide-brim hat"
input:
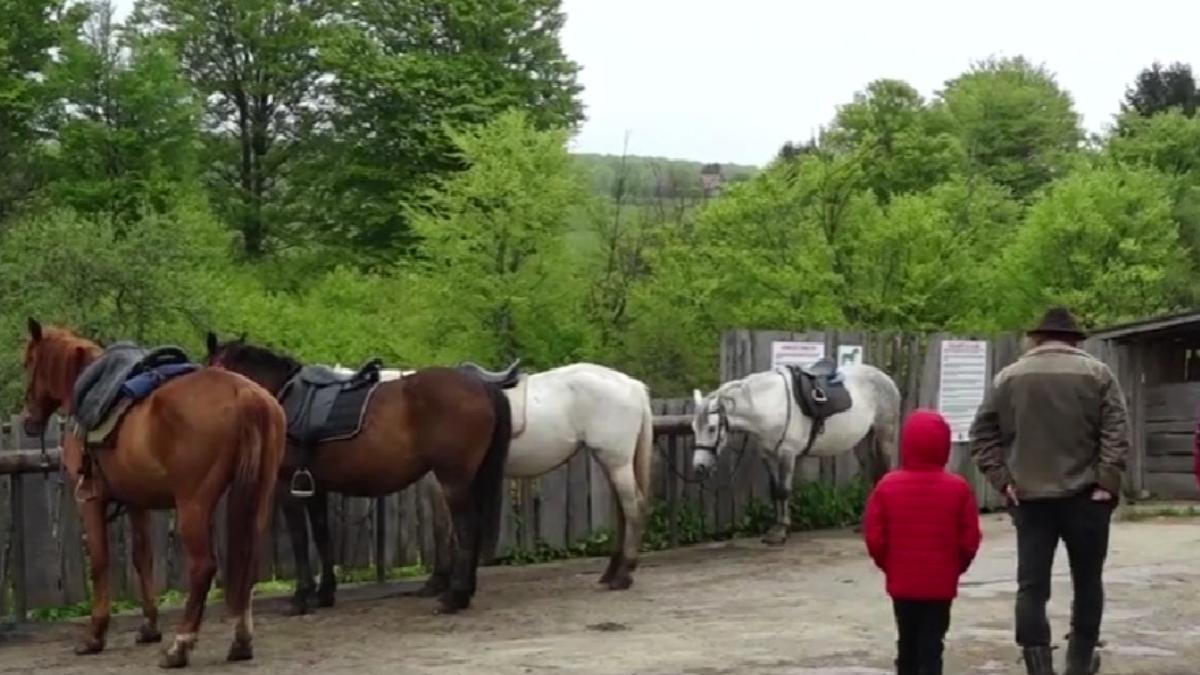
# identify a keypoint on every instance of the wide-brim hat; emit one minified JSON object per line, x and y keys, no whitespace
{"x":1058,"y":321}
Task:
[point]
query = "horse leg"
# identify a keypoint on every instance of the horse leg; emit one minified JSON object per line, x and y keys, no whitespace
{"x":143,"y":562}
{"x":782,"y":471}
{"x":318,"y":515}
{"x":444,"y":545}
{"x":617,"y":559}
{"x":297,"y":525}
{"x":195,"y":533}
{"x":466,"y":554}
{"x":96,"y":528}
{"x":629,"y":539}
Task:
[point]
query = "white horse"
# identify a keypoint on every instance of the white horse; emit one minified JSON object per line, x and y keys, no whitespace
{"x":762,"y":405}
{"x":557,"y":413}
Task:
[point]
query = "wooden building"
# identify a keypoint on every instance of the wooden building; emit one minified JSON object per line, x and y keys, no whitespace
{"x":1158,"y":364}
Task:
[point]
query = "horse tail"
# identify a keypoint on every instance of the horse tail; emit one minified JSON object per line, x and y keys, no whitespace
{"x":260,"y":428}
{"x":488,"y":486}
{"x":643,"y":454}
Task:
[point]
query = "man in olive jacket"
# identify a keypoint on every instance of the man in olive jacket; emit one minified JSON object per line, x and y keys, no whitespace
{"x":1051,"y":436}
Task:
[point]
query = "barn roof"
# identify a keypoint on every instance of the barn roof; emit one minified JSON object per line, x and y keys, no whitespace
{"x":1169,"y":322}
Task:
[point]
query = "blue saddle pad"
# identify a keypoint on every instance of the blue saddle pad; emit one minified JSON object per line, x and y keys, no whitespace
{"x":142,"y":385}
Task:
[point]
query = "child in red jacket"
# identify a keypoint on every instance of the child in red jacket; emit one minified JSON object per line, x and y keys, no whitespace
{"x":922,"y":529}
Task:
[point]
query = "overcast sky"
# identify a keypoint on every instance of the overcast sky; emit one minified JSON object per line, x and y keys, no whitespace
{"x":718,"y":80}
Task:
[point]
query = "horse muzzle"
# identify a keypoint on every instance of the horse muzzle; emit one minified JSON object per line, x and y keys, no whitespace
{"x":31,"y":426}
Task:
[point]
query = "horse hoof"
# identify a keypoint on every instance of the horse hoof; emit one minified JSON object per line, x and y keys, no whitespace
{"x":453,"y":602}
{"x":89,"y":646}
{"x":296,"y":607}
{"x":147,"y":635}
{"x":175,"y":657}
{"x":324,"y":600}
{"x":240,"y":651}
{"x":620,"y":582}
{"x":775,"y":537}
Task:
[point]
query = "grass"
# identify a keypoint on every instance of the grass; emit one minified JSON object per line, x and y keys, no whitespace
{"x":1138,"y":512}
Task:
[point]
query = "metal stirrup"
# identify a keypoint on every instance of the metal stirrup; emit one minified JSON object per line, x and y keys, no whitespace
{"x":303,"y":485}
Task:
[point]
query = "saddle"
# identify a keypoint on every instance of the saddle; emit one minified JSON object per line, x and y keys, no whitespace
{"x":324,"y":405}
{"x":820,"y":393}
{"x":122,"y":375}
{"x":505,"y":379}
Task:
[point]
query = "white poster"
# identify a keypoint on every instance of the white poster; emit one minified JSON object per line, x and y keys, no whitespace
{"x":849,"y":355}
{"x":963,"y":383}
{"x":796,"y":353}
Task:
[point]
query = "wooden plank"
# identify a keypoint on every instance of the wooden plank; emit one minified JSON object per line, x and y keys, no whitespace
{"x":19,"y":533}
{"x":1172,"y":485}
{"x":1168,"y":444}
{"x":552,"y":507}
{"x":1172,"y":402}
{"x":578,"y":483}
{"x":1174,"y":427}
{"x":600,"y":497}
{"x":1171,"y":464}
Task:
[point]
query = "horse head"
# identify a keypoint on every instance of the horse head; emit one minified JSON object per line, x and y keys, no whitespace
{"x":710,"y":427}
{"x":269,"y":369}
{"x":54,"y":358}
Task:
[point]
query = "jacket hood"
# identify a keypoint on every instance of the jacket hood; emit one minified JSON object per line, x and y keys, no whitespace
{"x":925,"y":441}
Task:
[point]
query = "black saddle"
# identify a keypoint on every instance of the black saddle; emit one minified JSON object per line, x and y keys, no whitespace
{"x":819,"y":391}
{"x":323,"y":405}
{"x":505,"y":379}
{"x":324,"y":376}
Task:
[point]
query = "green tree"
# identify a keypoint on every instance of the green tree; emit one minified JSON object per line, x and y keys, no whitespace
{"x":1102,"y":241}
{"x":904,"y":145}
{"x":494,"y":265}
{"x":1016,"y":125}
{"x":255,"y":64}
{"x":30,"y":32}
{"x":406,"y":71}
{"x":126,"y":124}
{"x":149,"y":278}
{"x":1159,"y":89}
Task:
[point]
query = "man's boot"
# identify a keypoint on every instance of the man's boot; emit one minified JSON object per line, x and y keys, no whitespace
{"x":1038,"y":661}
{"x":1082,"y":658}
{"x":906,"y":664}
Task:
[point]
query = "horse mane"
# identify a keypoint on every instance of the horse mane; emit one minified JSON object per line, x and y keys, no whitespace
{"x":254,"y":356}
{"x":53,"y":357}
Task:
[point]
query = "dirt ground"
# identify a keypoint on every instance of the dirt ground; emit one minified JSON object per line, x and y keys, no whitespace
{"x":815,"y":606}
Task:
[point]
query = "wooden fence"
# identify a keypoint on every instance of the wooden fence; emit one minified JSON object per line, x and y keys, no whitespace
{"x":43,"y":561}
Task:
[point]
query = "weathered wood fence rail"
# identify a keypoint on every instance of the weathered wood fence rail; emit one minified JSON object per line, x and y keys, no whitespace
{"x":42,"y":555}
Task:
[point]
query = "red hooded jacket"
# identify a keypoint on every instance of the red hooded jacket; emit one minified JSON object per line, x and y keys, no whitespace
{"x":922,"y":523}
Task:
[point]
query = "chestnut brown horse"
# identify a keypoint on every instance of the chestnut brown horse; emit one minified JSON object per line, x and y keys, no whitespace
{"x":183,"y":446}
{"x":435,"y":419}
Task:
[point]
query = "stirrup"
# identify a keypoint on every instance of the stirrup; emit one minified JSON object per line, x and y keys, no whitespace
{"x":819,"y":395}
{"x":303,"y":485}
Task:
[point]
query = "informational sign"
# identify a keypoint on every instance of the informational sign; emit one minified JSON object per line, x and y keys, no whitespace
{"x":796,"y":353}
{"x":849,"y":355}
{"x":963,"y":383}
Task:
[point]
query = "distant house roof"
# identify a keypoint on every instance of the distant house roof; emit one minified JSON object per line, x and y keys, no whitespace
{"x":1158,"y":324}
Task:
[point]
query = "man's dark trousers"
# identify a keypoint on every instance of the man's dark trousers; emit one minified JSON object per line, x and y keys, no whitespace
{"x":1083,"y":525}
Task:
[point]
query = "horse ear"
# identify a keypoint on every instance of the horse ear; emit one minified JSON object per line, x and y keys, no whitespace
{"x":697,"y":396}
{"x":210,"y":341}
{"x":35,"y":329}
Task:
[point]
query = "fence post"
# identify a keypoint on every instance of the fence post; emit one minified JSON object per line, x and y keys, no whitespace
{"x":380,"y":540}
{"x":17,"y":495}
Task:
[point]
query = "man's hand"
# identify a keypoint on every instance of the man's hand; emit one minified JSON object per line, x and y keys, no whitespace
{"x":1010,"y":493}
{"x":1101,"y":495}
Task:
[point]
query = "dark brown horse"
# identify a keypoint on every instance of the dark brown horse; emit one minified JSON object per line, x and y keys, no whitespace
{"x":185,"y":445}
{"x":435,"y":419}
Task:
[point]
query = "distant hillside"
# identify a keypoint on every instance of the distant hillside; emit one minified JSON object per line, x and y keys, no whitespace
{"x":647,"y":178}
